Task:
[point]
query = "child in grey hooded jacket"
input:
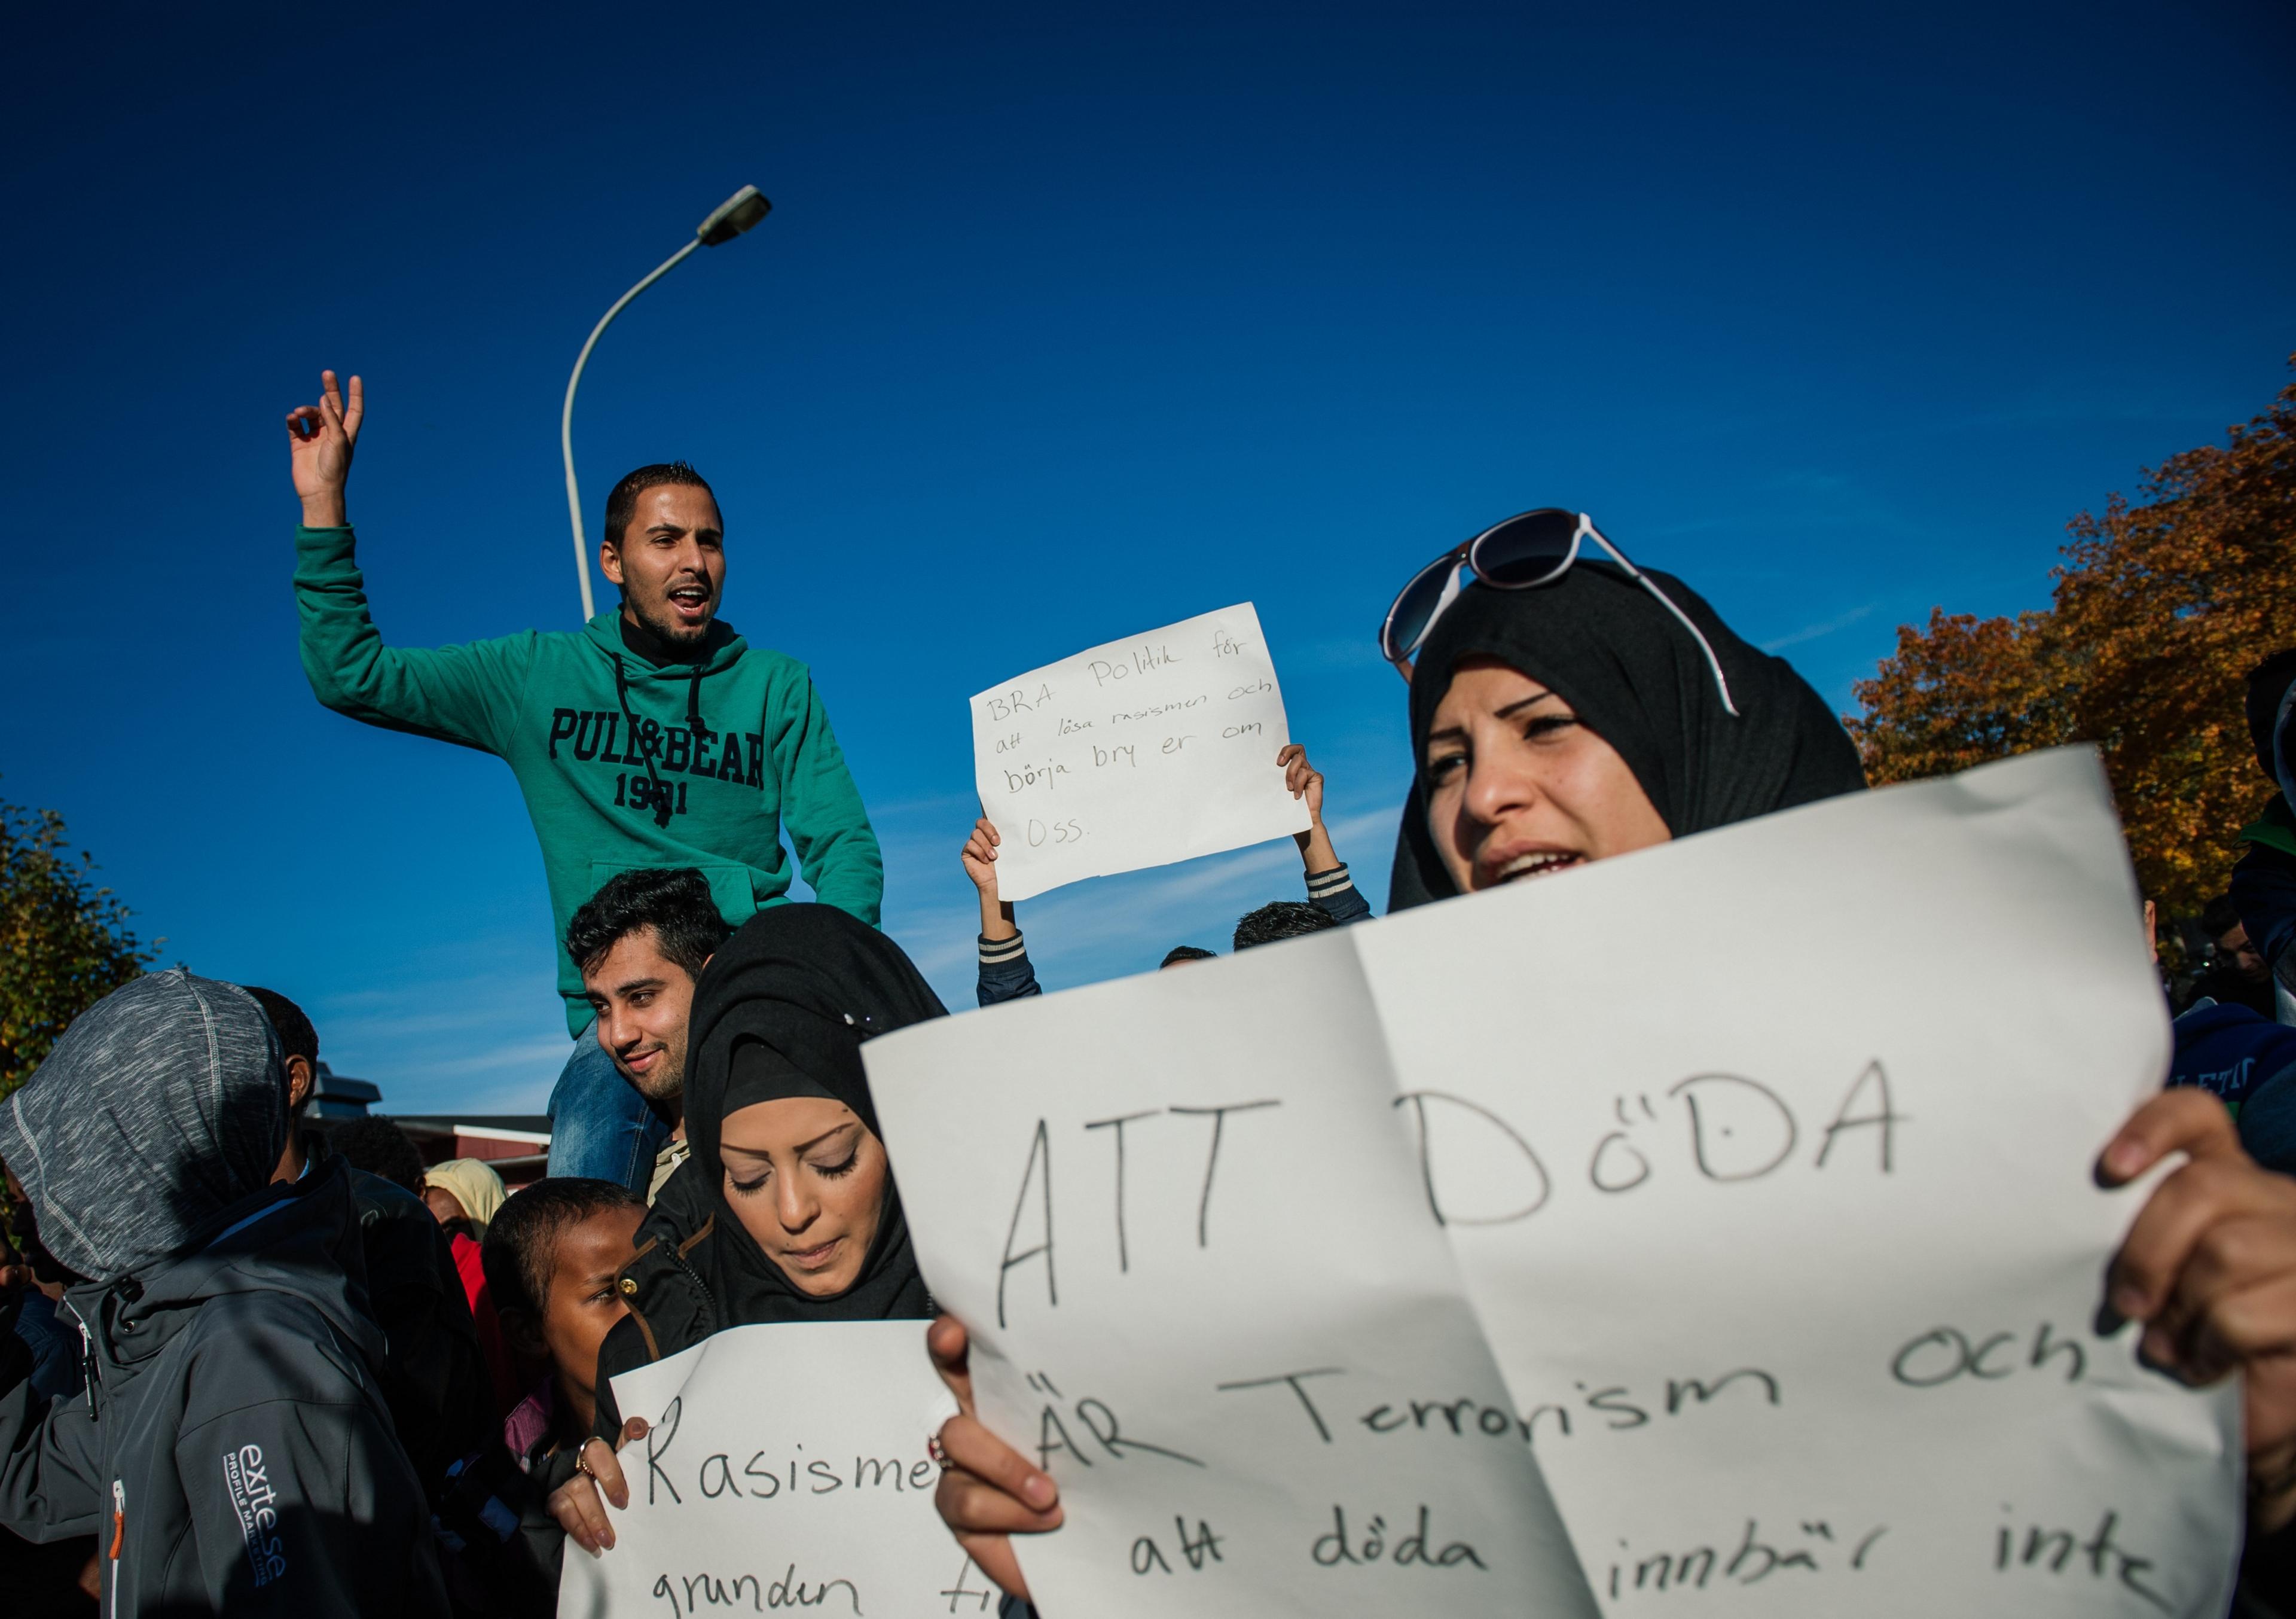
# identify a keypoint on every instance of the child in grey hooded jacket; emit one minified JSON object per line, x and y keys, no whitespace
{"x":232,"y":1452}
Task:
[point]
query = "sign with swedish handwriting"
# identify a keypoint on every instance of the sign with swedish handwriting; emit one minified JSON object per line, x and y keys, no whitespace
{"x":786,"y":1468}
{"x":1323,"y":1278}
{"x":1139,"y":753}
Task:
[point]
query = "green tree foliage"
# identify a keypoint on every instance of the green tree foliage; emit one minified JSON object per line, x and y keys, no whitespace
{"x":64,"y":942}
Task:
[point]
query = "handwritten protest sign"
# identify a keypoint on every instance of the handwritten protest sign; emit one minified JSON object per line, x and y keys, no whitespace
{"x":787,"y":1468}
{"x":1157,"y":748}
{"x":1788,"y":1255}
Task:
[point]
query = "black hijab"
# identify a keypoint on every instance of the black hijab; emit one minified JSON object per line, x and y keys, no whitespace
{"x":1635,"y":678}
{"x":781,"y":1011}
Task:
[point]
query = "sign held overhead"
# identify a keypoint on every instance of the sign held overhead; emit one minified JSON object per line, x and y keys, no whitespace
{"x":1137,"y":752}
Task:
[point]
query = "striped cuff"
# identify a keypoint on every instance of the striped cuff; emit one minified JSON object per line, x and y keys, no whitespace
{"x":1324,"y":884}
{"x":996,"y":953}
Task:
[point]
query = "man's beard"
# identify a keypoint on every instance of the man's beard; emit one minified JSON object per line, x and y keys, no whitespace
{"x":670,"y":630}
{"x":665,"y":1084}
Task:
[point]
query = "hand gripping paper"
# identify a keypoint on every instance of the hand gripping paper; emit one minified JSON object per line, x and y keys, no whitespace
{"x":1743,"y":1184}
{"x":1140,"y":752}
{"x":786,"y":1468}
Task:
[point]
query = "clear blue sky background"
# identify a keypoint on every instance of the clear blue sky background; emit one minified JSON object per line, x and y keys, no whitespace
{"x":1069,"y":322}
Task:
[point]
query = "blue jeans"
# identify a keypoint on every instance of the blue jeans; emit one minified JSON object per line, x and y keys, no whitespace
{"x":600,"y":1126}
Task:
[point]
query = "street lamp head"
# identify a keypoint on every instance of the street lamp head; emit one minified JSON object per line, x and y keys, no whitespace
{"x":737,"y":214}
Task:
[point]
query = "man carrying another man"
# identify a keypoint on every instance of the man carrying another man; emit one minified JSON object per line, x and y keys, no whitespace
{"x":640,"y":944}
{"x":655,"y":737}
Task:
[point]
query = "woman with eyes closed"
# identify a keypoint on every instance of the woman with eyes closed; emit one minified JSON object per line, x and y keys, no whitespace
{"x":786,"y":1209}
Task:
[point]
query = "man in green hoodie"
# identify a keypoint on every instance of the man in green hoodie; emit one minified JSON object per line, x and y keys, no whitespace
{"x":656,"y":737}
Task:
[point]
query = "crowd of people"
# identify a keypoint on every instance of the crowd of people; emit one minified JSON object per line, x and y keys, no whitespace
{"x":251,"y":1364}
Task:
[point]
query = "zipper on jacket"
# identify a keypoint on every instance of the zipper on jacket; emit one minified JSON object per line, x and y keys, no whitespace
{"x":118,"y":1539}
{"x":88,"y":1366}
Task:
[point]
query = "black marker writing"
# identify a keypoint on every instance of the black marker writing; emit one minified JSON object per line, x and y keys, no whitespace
{"x":1945,"y":1353}
{"x":709,"y":1590}
{"x":1052,"y":1436}
{"x":2053,"y":1549}
{"x":1732,"y":1120}
{"x":1039,"y":1147}
{"x":658,"y":1438}
{"x":1123,"y":1253}
{"x":1147,"y":1555}
{"x":1212,"y":1160}
{"x":959,"y":1591}
{"x":1419,"y":1100}
{"x":1886,"y":1120}
{"x":1293,"y":1379}
{"x":1337,"y":1547}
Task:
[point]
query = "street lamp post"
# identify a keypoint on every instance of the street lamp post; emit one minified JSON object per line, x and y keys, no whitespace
{"x":737,"y":214}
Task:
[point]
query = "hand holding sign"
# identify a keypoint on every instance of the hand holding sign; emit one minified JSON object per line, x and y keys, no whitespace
{"x":1136,"y":754}
{"x":782,"y":1465}
{"x":1795,"y":1304}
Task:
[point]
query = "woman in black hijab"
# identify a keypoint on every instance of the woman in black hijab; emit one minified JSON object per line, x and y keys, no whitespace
{"x":785,"y":1209}
{"x":1583,"y":718}
{"x":1607,"y":710}
{"x":1599,"y":713}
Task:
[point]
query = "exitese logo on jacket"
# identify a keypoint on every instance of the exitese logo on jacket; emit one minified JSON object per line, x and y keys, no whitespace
{"x":257,"y":1504}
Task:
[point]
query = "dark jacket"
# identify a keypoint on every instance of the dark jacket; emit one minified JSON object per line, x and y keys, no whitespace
{"x":669,"y":1303}
{"x":232,"y":1452}
{"x":433,"y":1375}
{"x":2264,"y":887}
{"x":2229,"y":1050}
{"x":233,"y":1448}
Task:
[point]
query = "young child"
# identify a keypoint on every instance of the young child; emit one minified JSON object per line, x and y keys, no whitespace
{"x":551,"y":1257}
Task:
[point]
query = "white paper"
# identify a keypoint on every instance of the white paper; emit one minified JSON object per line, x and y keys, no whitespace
{"x":1156,"y":748}
{"x":1225,"y":1293}
{"x":1969,"y":953}
{"x":1789,"y":1387}
{"x":787,"y":1468}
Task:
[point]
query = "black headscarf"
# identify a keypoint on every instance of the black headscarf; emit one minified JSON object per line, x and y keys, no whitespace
{"x":781,"y":1011}
{"x":1635,"y":678}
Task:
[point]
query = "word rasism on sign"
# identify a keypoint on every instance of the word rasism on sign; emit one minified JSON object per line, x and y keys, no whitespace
{"x":786,"y":1468}
{"x":1435,"y":1265}
{"x":1154,"y":749}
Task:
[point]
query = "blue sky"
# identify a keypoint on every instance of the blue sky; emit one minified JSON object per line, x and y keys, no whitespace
{"x":1069,"y":322}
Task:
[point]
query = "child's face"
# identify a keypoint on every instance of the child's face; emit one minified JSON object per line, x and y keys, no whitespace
{"x":583,"y":1306}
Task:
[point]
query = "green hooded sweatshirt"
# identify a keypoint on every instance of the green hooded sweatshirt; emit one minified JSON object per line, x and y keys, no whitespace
{"x":624,"y":764}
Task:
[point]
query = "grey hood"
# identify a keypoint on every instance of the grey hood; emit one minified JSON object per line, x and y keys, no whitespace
{"x":162,"y":1106}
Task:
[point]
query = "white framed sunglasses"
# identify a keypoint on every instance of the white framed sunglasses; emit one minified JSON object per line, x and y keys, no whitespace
{"x":1521,"y":553}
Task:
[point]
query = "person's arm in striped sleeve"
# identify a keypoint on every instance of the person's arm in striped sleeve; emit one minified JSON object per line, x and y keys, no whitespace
{"x":1330,"y":888}
{"x":1006,"y":973}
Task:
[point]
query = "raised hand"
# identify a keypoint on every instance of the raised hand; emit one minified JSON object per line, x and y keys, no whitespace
{"x":988,"y":1493}
{"x":320,"y":439}
{"x":980,"y":856}
{"x":1302,"y":779}
{"x":2210,"y":1268}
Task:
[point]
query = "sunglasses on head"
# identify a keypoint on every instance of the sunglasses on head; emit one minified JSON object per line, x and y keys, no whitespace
{"x":1526,"y":551}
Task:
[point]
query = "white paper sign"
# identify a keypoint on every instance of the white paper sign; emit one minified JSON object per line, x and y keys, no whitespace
{"x":787,"y":1468}
{"x":1762,"y":1160}
{"x":1154,"y":749}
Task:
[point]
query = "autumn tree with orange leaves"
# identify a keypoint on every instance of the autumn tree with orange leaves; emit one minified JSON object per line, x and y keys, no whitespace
{"x":2160,"y":609}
